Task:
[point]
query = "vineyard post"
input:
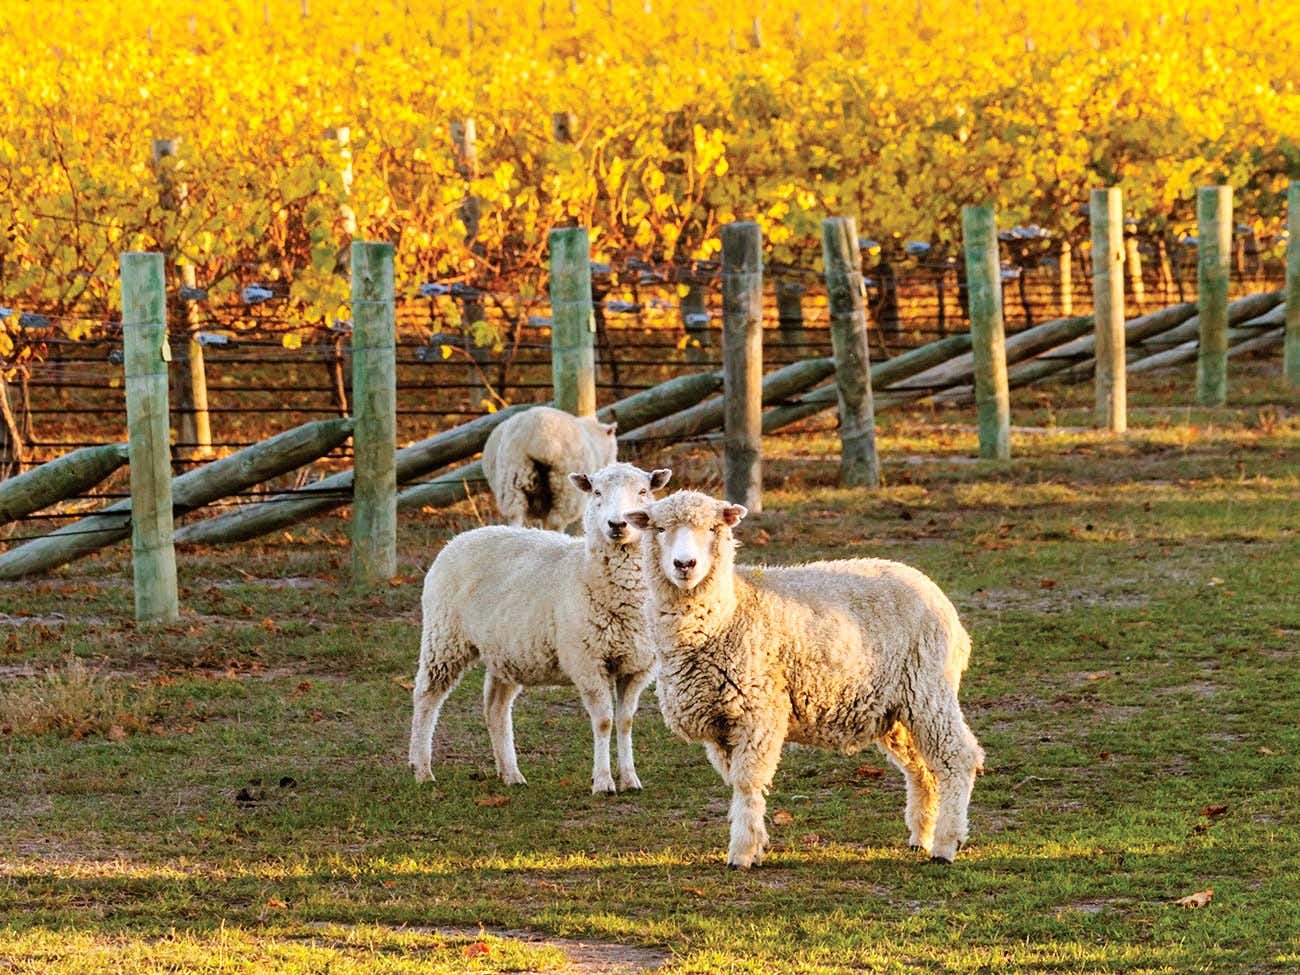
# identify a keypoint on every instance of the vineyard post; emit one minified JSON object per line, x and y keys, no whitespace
{"x":1291,"y":350}
{"x":145,"y":357}
{"x":742,"y":363}
{"x":1133,"y":270}
{"x":464,"y":141}
{"x":789,"y":311}
{"x":1213,"y":261}
{"x":1106,"y":210}
{"x":193,"y":427}
{"x":988,"y":339}
{"x":859,"y":464}
{"x":573,"y":324}
{"x":695,"y":320}
{"x":1065,"y":278}
{"x":374,"y":406}
{"x":338,"y":142}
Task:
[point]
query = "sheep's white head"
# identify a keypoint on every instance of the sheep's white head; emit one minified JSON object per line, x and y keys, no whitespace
{"x":688,"y":534}
{"x":604,"y":437}
{"x":611,"y":492}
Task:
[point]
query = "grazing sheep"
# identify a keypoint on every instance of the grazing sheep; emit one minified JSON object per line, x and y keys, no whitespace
{"x":541,"y":608}
{"x":836,"y":654}
{"x":527,"y":457}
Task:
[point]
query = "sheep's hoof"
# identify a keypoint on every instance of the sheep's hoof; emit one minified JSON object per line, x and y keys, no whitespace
{"x":943,"y":860}
{"x":915,"y":847}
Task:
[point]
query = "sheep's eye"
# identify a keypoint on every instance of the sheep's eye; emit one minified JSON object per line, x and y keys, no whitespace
{"x":713,"y":530}
{"x":643,"y":492}
{"x":658,"y":530}
{"x":595,"y":494}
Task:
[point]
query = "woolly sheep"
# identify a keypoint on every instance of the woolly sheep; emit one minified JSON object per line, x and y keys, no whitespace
{"x":527,"y":456}
{"x":835,"y":654}
{"x":541,"y":608}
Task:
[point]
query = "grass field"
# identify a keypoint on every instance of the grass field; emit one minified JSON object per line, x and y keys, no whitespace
{"x":230,"y":794}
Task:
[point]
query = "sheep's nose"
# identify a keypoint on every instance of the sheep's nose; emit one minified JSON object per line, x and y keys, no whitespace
{"x":617,"y":526}
{"x":683,"y":564}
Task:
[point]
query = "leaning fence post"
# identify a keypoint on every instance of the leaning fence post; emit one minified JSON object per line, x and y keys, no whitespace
{"x":1106,"y":210}
{"x":145,"y":356}
{"x":988,"y":340}
{"x":1213,"y":265}
{"x":1291,"y":350}
{"x":742,"y":363}
{"x":374,"y":407}
{"x":196,"y":424}
{"x":573,"y":324}
{"x":859,"y":464}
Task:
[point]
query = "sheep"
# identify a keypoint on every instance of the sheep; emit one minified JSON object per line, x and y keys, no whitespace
{"x":542,"y":608}
{"x":834,"y":654}
{"x":526,"y":457}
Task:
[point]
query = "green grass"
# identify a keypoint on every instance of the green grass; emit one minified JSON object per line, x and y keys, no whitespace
{"x":1135,"y":606}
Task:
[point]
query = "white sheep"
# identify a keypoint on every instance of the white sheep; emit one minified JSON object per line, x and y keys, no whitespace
{"x":527,"y":457}
{"x":541,"y":608}
{"x":835,"y":654}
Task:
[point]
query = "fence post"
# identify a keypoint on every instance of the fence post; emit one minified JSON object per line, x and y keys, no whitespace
{"x":789,"y":311}
{"x":742,"y":363}
{"x":859,"y":465}
{"x":374,"y":407}
{"x":1106,"y":211}
{"x":988,"y":340}
{"x":1291,"y":350}
{"x":1065,"y":278}
{"x":1213,"y":263}
{"x":464,"y":141}
{"x":1133,"y":271}
{"x":145,"y":357}
{"x":573,"y":324}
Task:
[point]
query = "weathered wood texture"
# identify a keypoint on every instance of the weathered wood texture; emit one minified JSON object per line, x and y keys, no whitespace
{"x":65,"y":477}
{"x":984,"y":280}
{"x":1291,"y":344}
{"x":742,"y":363}
{"x":146,"y":354}
{"x":221,"y":478}
{"x":573,"y":326}
{"x":374,"y":408}
{"x":1106,"y":208}
{"x":1213,"y":267}
{"x":859,"y":463}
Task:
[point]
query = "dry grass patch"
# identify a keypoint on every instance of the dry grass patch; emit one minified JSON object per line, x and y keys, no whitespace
{"x":75,"y":700}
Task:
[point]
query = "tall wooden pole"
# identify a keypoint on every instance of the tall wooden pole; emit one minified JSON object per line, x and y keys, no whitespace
{"x":1213,"y":266}
{"x":1107,"y":214}
{"x":859,"y":465}
{"x":196,"y":423}
{"x":988,"y":338}
{"x":742,"y":363}
{"x":146,"y":355}
{"x":573,"y":325}
{"x":374,"y":407}
{"x":1291,"y":348}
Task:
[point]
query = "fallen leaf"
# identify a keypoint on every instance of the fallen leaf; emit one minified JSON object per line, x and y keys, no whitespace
{"x":811,"y":839}
{"x":698,"y":892}
{"x":389,"y":884}
{"x":404,"y":684}
{"x":1215,"y":581}
{"x":1098,"y":675}
{"x":1218,"y":809}
{"x":1265,"y":750}
{"x":492,"y":801}
{"x":868,"y":772}
{"x":760,"y":537}
{"x":1046,"y":583}
{"x":276,"y":904}
{"x":476,"y":949}
{"x":782,"y":817}
{"x":116,"y":733}
{"x":1198,"y":899}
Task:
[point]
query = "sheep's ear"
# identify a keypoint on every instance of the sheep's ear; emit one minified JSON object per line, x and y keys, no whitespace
{"x":732,"y":513}
{"x":610,"y":428}
{"x":659,"y":477}
{"x":639,"y":518}
{"x":581,"y":481}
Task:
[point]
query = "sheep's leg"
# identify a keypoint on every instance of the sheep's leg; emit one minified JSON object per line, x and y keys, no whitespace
{"x":629,"y":688}
{"x":498,"y":702}
{"x":753,"y":766}
{"x":719,"y":759}
{"x":435,"y":679}
{"x":922,"y":796}
{"x":599,"y":702}
{"x":954,"y":756}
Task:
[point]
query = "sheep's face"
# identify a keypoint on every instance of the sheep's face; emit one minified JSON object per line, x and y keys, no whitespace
{"x":689,"y":532}
{"x":611,"y":492}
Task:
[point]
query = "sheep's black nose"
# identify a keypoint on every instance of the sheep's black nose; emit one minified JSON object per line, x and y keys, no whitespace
{"x":617,"y":526}
{"x":684,"y":564}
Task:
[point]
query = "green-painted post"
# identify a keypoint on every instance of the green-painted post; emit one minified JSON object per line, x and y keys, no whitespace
{"x":1106,"y":208}
{"x":573,"y":324}
{"x":1291,"y":347}
{"x":1213,"y":267}
{"x":146,"y":355}
{"x":374,"y":409}
{"x":742,"y":363}
{"x":859,"y":464}
{"x":988,"y":338}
